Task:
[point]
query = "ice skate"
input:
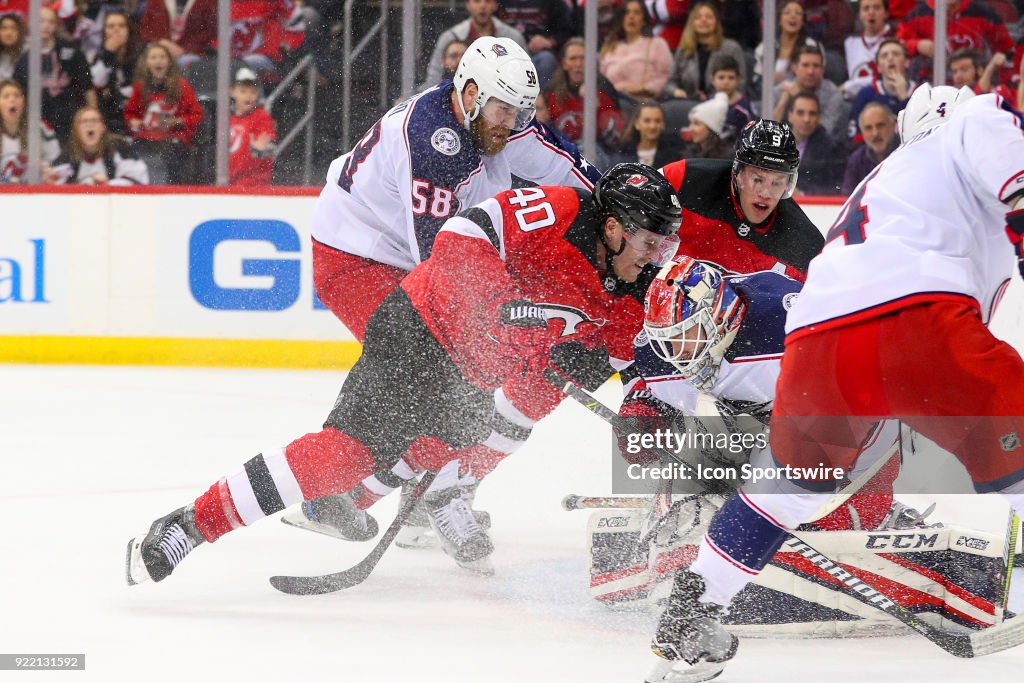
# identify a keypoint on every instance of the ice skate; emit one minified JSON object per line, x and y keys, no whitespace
{"x":690,"y":643}
{"x":335,"y":515}
{"x":416,"y":533}
{"x":155,"y":555}
{"x":902,"y":516}
{"x":458,"y":531}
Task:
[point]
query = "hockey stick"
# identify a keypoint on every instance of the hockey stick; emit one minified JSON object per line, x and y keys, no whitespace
{"x":976,"y":644}
{"x":576,"y":502}
{"x":328,"y":583}
{"x":625,"y":425}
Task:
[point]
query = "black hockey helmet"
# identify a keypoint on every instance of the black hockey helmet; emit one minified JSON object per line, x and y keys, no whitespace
{"x":639,"y":197}
{"x":769,"y":145}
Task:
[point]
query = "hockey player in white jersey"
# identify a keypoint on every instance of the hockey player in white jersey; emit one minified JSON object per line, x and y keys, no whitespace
{"x":890,"y":323}
{"x":708,"y":359}
{"x":377,"y":216}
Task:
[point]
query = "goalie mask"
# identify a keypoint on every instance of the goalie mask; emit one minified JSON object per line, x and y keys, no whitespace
{"x":506,"y":81}
{"x":928,"y":107}
{"x":691,"y":317}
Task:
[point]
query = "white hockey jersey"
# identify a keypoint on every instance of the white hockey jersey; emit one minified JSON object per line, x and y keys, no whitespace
{"x":14,"y":160}
{"x":118,"y":165}
{"x":387,"y":198}
{"x":927,"y":224}
{"x":860,"y":60}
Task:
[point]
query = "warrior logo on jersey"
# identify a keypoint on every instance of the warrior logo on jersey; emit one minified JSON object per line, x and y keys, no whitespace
{"x":636,"y":180}
{"x":446,"y":141}
{"x":789,"y":300}
{"x":499,"y":50}
{"x":573,"y":317}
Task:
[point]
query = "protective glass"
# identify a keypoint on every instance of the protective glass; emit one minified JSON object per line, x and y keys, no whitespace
{"x":657,"y":249}
{"x":753,"y":179}
{"x":503,"y":114}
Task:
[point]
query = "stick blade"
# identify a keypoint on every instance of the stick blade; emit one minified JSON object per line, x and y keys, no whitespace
{"x":320,"y":585}
{"x":997,"y":638}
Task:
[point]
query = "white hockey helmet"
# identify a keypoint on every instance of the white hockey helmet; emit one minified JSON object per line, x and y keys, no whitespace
{"x":502,"y":71}
{"x":928,"y":107}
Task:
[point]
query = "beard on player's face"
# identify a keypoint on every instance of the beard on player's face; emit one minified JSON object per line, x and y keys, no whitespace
{"x":488,"y":138}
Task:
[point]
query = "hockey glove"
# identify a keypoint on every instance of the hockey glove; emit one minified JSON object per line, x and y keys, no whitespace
{"x":646,"y":415}
{"x":523,"y":335}
{"x":586,"y":368}
{"x":1015,"y":231}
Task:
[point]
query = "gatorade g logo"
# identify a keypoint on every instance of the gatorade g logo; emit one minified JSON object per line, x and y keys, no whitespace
{"x":275,"y":282}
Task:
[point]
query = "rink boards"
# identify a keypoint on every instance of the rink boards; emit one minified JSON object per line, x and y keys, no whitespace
{"x":204,"y":277}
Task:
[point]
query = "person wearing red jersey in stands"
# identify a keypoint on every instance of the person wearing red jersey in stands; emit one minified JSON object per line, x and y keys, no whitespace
{"x":252,"y":133}
{"x":162,"y":115}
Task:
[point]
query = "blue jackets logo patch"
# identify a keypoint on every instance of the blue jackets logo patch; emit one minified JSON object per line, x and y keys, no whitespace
{"x":446,"y":141}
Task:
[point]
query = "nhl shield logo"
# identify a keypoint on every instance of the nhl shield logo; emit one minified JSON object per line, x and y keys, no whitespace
{"x":446,"y":141}
{"x":1009,"y":442}
{"x":636,"y":180}
{"x":743,"y":230}
{"x":499,"y":50}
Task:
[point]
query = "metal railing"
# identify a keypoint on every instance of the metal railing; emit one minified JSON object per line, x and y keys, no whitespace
{"x":411,"y":30}
{"x":308,"y":65}
{"x":350,"y":53}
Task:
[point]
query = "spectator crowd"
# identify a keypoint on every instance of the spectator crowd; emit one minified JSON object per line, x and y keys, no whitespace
{"x":679,"y":78}
{"x":127,"y":95}
{"x":126,"y":90}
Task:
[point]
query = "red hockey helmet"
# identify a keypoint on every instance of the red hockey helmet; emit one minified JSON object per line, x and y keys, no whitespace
{"x":691,"y":317}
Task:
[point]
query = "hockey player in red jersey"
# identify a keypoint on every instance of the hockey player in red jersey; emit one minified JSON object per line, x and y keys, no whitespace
{"x":741,"y":215}
{"x":380,"y":211}
{"x":891,"y":322}
{"x":532,"y":279}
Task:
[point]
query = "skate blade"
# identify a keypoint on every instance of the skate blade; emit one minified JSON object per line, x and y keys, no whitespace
{"x":416,"y":538}
{"x":298,"y":520}
{"x":483,"y":566}
{"x":134,"y":568}
{"x":680,"y":672}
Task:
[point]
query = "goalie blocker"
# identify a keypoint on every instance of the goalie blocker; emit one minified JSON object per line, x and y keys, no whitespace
{"x":955,"y":577}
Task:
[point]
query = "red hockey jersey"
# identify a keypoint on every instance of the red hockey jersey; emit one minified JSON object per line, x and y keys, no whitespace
{"x":714,"y":229}
{"x":246,"y":166}
{"x":537,"y":243}
{"x":150,"y":112}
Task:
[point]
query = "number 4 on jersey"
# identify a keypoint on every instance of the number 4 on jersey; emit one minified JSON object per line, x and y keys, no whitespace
{"x":854,"y":217}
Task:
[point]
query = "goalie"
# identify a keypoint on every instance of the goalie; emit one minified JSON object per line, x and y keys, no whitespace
{"x":711,"y":347}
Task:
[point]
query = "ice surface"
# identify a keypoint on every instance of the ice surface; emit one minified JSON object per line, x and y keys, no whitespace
{"x":92,"y":455}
